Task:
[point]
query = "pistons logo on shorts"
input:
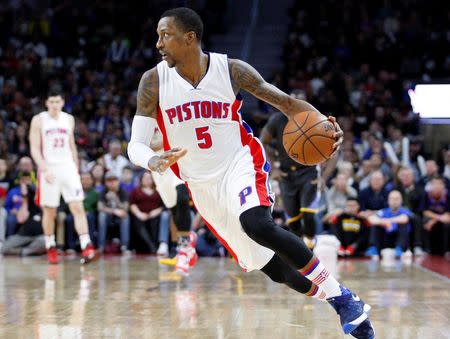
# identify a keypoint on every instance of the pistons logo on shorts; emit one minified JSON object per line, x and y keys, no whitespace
{"x":244,"y":194}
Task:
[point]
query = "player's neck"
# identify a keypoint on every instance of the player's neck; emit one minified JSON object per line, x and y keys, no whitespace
{"x":53,"y":114}
{"x":194,"y":67}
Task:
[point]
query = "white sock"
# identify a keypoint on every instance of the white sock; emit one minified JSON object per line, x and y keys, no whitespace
{"x":316,"y":292}
{"x":85,"y":239}
{"x":319,"y":275}
{"x":50,"y":241}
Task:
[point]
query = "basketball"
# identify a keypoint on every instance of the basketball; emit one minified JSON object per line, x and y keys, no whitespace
{"x":308,"y":138}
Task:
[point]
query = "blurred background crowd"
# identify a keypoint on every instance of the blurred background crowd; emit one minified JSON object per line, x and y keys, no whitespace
{"x":356,"y":64}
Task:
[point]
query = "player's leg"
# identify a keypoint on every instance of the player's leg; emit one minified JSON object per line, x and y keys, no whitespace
{"x":48,"y":225}
{"x":281,"y":272}
{"x":291,"y":203}
{"x":181,"y":212}
{"x":257,"y":222}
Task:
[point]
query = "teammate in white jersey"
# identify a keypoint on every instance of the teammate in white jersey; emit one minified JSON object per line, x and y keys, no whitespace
{"x":54,"y":151}
{"x":193,"y":97}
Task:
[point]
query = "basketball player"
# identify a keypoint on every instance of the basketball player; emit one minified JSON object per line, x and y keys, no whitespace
{"x":193,"y":97}
{"x":54,"y":151}
{"x":298,"y":183}
{"x":175,"y":196}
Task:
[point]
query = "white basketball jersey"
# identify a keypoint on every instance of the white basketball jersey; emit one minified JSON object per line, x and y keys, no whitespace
{"x":205,"y":120}
{"x":55,"y":138}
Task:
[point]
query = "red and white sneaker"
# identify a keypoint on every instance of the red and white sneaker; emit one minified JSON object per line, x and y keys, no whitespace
{"x":182,"y":266}
{"x":193,"y":257}
{"x":89,"y":254}
{"x":52,"y":255}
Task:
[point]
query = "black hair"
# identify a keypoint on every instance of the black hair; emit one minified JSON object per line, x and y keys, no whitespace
{"x":353,"y":199}
{"x":187,"y":19}
{"x":55,"y":93}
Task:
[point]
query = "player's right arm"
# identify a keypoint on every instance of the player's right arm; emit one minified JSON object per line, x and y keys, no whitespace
{"x":35,"y":143}
{"x":143,"y":128}
{"x":36,"y":146}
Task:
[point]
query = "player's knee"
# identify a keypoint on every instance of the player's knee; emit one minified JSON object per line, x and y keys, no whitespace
{"x":76,"y":208}
{"x":257,"y":222}
{"x":49,"y":212}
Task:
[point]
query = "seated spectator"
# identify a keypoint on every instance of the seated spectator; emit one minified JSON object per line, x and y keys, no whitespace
{"x":337,"y":196}
{"x":14,"y":200}
{"x":114,"y":160}
{"x":432,"y":171}
{"x":374,"y":197}
{"x":350,"y":229}
{"x":446,"y":171}
{"x":363,"y":175}
{"x":25,"y":164}
{"x":29,"y":239}
{"x":146,"y":207}
{"x":412,"y":197}
{"x":127,"y":182}
{"x":113,"y":209}
{"x":390,"y":227}
{"x":436,"y":213}
{"x":98,"y":172}
{"x":4,"y":180}
{"x":90,"y":206}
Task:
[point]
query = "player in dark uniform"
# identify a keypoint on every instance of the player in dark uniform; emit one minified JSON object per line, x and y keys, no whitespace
{"x":298,"y":183}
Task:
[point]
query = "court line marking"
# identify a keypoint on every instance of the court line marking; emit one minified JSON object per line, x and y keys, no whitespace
{"x":436,"y":274}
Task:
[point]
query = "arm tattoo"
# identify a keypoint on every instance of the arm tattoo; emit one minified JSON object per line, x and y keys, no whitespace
{"x":148,"y":94}
{"x":246,"y":77}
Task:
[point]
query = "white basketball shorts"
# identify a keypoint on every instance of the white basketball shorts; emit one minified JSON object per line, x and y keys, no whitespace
{"x":221,"y":201}
{"x":67,"y":182}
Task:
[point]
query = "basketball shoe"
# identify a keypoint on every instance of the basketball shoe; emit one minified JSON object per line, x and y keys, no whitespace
{"x":353,"y":313}
{"x":52,"y":255}
{"x":187,"y":255}
{"x":89,"y":254}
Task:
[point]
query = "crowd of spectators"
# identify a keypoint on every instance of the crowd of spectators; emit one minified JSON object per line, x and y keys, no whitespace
{"x":355,"y":63}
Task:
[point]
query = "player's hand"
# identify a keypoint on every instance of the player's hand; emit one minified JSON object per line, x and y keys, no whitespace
{"x":164,"y":161}
{"x":338,"y":135}
{"x":49,"y":177}
{"x":277,"y":174}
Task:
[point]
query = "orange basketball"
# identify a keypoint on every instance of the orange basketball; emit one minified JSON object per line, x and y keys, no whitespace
{"x":308,"y":138}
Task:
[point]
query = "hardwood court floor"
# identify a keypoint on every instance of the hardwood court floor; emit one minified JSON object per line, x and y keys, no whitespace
{"x":136,"y":298}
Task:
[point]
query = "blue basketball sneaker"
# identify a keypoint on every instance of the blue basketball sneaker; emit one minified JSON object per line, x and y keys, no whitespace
{"x":352,"y":311}
{"x":363,"y":331}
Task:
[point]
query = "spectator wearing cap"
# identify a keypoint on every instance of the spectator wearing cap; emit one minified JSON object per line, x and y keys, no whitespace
{"x":14,"y":200}
{"x":114,"y":160}
{"x":113,"y":210}
{"x":435,"y":209}
{"x":390,"y":227}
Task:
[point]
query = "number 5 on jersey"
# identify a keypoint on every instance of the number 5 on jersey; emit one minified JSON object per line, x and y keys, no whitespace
{"x":203,"y":137}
